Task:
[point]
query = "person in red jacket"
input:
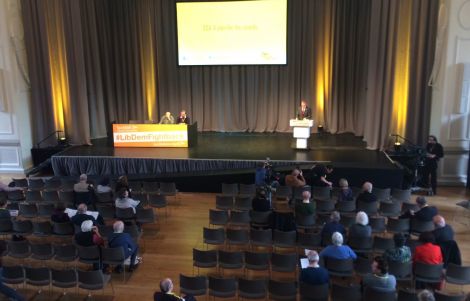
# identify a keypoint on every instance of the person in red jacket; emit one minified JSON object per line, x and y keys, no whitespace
{"x":428,"y":253}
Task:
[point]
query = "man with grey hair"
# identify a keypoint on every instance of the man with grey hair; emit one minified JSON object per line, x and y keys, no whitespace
{"x":361,"y":228}
{"x":426,"y":295}
{"x":306,"y":207}
{"x":331,"y":227}
{"x":442,"y":232}
{"x":337,"y":250}
{"x":166,"y":293}
{"x":124,"y":240}
{"x":366,"y":195}
{"x":314,"y":274}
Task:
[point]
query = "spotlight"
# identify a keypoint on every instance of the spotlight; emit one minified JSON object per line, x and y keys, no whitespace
{"x":397,"y":146}
{"x":320,"y":128}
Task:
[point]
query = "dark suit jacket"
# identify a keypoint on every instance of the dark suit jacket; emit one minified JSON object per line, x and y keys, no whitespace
{"x":366,"y":197}
{"x":78,"y":219}
{"x":443,"y":234}
{"x":426,"y":214}
{"x":180,"y":120}
{"x":307,"y":114}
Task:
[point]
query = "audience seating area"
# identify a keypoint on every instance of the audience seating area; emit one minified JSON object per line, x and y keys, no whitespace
{"x":43,"y":253}
{"x":245,"y":255}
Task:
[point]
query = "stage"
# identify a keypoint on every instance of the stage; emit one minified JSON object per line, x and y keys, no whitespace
{"x":230,"y":157}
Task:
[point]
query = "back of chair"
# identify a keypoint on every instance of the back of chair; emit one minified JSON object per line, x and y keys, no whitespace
{"x":346,"y":293}
{"x":125,"y":213}
{"x":407,"y":295}
{"x":193,"y":285}
{"x":203,"y":259}
{"x":37,"y":276}
{"x":457,"y":274}
{"x":444,"y":296}
{"x":314,"y":292}
{"x":222,"y":287}
{"x":374,"y":294}
{"x":430,"y":273}
{"x":64,"y":278}
{"x":339,"y":267}
{"x":252,"y":289}
{"x":282,"y":290}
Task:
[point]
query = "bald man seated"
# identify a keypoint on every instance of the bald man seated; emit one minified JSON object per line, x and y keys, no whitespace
{"x":166,"y":293}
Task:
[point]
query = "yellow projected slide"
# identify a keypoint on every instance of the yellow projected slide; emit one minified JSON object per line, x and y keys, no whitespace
{"x":232,"y":32}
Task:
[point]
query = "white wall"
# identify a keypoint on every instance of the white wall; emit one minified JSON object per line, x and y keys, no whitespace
{"x":451,"y":98}
{"x":15,"y":123}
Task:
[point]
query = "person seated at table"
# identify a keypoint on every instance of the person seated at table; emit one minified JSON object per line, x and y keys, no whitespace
{"x":167,"y":119}
{"x":183,"y":118}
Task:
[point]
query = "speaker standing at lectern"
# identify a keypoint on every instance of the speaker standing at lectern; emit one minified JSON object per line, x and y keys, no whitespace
{"x":304,"y":111}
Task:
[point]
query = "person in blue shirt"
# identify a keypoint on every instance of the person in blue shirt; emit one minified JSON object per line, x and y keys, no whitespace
{"x":333,"y":226}
{"x":314,"y":274}
{"x":337,"y":250}
{"x":124,"y":240}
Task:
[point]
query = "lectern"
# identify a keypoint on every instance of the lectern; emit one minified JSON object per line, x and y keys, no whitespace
{"x":301,"y":132}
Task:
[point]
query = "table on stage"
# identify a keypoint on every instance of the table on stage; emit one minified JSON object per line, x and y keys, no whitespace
{"x":155,"y":135}
{"x":301,"y":132}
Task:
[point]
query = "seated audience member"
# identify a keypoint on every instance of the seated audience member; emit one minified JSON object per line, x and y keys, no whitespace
{"x":82,"y":216}
{"x":314,"y":274}
{"x":123,"y":200}
{"x":6,"y":290}
{"x":337,"y":250}
{"x":442,"y":232}
{"x":121,"y":183}
{"x":166,"y":293}
{"x":124,"y":240}
{"x":295,"y":179}
{"x":305,"y":207}
{"x":366,"y":195}
{"x":333,"y":225}
{"x":89,"y":235}
{"x":59,"y":215}
{"x":425,"y":213}
{"x":426,"y":295}
{"x":103,"y":186}
{"x":428,"y":252}
{"x":6,"y":188}
{"x":260,"y":202}
{"x":4,"y":212}
{"x":167,"y":119}
{"x":379,"y":278}
{"x":319,"y":173}
{"x":183,"y":118}
{"x":82,"y":185}
{"x":400,"y":253}
{"x":345,"y":192}
{"x":361,"y":228}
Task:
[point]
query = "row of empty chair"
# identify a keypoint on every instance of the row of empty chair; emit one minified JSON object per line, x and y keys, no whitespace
{"x":44,"y":277}
{"x":291,"y":290}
